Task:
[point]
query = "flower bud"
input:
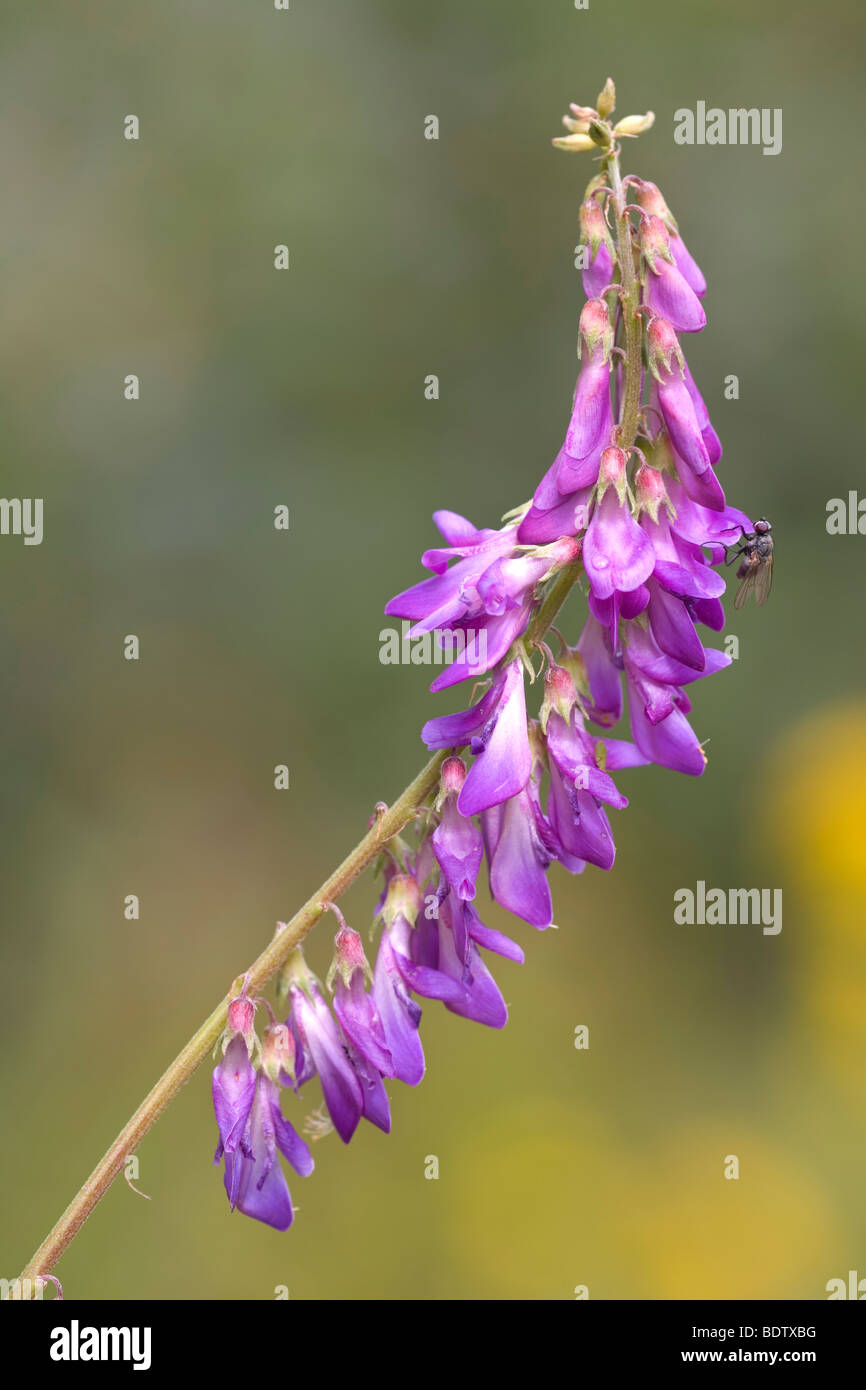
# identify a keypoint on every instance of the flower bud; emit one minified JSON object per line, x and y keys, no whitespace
{"x":575,"y":143}
{"x":651,"y":200}
{"x":600,"y":133}
{"x":577,"y":127}
{"x":634,"y":125}
{"x":453,"y":775}
{"x":650,"y":490}
{"x":655,"y":241}
{"x":663,"y":348}
{"x":403,"y":899}
{"x":241,"y":1013}
{"x":606,"y":100}
{"x":575,"y":665}
{"x":348,"y":957}
{"x":583,"y":113}
{"x":560,"y":696}
{"x":612,"y":471}
{"x":596,"y":328}
{"x":593,"y":227}
{"x":278,"y":1052}
{"x":296,"y":974}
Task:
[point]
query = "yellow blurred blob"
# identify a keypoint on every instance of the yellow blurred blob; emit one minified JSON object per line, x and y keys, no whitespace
{"x":699,"y":1234}
{"x":815,"y":782}
{"x":537,"y":1188}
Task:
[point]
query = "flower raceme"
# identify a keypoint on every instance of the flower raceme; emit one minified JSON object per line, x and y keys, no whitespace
{"x":633,"y":500}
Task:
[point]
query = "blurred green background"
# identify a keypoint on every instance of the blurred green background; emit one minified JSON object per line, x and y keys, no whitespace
{"x":409,"y":257}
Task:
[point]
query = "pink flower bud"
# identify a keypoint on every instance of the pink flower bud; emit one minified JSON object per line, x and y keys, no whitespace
{"x":403,"y":899}
{"x":560,"y":696}
{"x":650,"y":490}
{"x":611,"y":472}
{"x":241,"y":1013}
{"x":453,"y":775}
{"x":595,"y":327}
{"x":278,"y":1052}
{"x":593,"y":227}
{"x":651,"y":200}
{"x":663,"y":347}
{"x":655,"y":241}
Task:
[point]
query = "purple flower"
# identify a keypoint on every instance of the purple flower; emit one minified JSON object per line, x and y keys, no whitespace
{"x":520,"y":846}
{"x":232,"y":1086}
{"x":579,"y":781}
{"x":598,"y":274}
{"x":652,"y":202}
{"x":451,"y":593}
{"x":324,"y":1046}
{"x":457,"y":841}
{"x":658,"y":705}
{"x":431,"y":966}
{"x":678,"y":410}
{"x":566,"y":516}
{"x":591,"y":417}
{"x":354,"y":1005}
{"x":400,"y":1015}
{"x":668,"y":292}
{"x":603,"y":673}
{"x":617,"y":555}
{"x":495,"y":729}
{"x":254,"y":1180}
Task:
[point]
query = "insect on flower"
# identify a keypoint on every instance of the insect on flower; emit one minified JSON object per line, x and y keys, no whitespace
{"x":756,"y":568}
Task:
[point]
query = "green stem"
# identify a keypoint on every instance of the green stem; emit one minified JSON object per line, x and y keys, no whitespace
{"x":630,"y":305}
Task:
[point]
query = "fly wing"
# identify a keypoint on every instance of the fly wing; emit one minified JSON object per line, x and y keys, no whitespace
{"x":748,"y":576}
{"x":764,"y":580}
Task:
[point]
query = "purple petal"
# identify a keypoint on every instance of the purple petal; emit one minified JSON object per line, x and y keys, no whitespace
{"x":616,"y":553}
{"x":670,"y":296}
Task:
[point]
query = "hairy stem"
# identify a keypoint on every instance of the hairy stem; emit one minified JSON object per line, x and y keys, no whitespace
{"x":630,"y":304}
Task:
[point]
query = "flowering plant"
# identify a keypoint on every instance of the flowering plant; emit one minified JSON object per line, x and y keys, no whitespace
{"x":631,"y":512}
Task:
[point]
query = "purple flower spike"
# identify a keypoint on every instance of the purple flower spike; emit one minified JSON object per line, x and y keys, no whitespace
{"x":617,"y":555}
{"x":457,"y":841}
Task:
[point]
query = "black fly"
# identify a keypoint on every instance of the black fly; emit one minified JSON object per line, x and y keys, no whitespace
{"x":755,"y":571}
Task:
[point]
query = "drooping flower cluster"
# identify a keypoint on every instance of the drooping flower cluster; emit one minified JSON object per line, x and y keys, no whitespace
{"x":636,"y":507}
